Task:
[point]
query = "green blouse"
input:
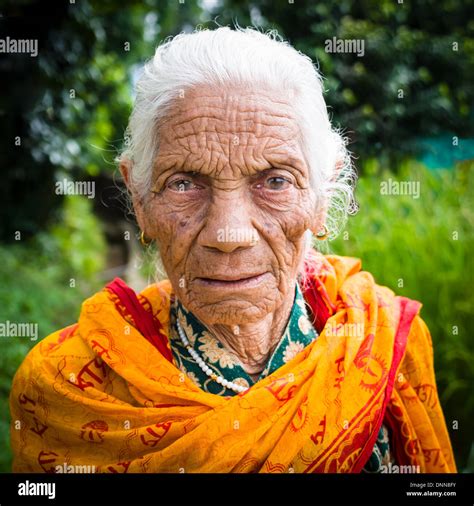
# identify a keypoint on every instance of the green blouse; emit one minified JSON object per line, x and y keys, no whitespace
{"x":298,"y":334}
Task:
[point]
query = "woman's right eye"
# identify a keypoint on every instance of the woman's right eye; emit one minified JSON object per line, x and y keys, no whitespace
{"x":181,"y":185}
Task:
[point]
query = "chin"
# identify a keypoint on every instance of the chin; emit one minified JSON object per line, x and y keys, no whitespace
{"x":236,"y":311}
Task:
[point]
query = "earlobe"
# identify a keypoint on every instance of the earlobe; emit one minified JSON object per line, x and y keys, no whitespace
{"x":319,"y":222}
{"x":316,"y":227}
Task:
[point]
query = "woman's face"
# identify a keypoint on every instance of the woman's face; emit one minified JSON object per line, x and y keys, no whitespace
{"x":230,"y":202}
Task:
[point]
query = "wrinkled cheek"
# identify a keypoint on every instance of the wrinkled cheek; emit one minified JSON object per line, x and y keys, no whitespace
{"x":163,"y":228}
{"x":296,"y":243}
{"x":289,"y":248}
{"x":295,"y":228}
{"x":283,"y":252}
{"x":301,"y":218}
{"x":287,"y":235}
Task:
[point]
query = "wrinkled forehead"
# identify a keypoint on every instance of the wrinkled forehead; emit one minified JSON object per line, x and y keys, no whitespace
{"x":223,"y":131}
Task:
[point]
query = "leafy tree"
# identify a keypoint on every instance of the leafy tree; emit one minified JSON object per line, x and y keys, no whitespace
{"x":68,"y":107}
{"x":413,"y":80}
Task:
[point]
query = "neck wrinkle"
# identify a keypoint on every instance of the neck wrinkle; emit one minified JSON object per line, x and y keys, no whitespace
{"x":255,"y":342}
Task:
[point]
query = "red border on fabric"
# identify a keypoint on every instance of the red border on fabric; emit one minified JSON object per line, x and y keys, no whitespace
{"x":315,"y":294}
{"x":408,"y":310}
{"x":145,"y":322}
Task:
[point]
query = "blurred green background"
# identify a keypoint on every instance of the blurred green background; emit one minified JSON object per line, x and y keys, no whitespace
{"x":406,"y":107}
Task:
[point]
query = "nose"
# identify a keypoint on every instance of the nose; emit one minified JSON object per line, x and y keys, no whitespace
{"x":228,"y":225}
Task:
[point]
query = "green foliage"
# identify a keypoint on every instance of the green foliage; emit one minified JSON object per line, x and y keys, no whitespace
{"x":80,"y":236}
{"x":36,"y":288}
{"x":409,"y":46}
{"x":69,"y":107}
{"x":422,"y":248}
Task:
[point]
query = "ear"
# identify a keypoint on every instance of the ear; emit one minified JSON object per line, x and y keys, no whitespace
{"x":321,"y":211}
{"x":125,"y":167}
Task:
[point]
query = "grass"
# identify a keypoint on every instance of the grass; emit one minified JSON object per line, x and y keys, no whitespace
{"x":44,"y":281}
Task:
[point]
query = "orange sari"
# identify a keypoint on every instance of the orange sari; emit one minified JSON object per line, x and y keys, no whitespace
{"x":105,"y":392}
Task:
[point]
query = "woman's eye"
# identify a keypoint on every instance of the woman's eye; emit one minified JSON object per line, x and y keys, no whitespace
{"x":276,"y":183}
{"x":181,"y":185}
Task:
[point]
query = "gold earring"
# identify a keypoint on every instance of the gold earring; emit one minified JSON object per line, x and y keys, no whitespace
{"x":144,"y":240}
{"x":322,"y":234}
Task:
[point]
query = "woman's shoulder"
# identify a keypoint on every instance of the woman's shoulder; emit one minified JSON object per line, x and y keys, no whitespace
{"x":46,"y":358}
{"x":55,"y":353}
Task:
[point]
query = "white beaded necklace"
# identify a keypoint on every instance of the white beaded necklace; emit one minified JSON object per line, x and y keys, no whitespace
{"x":204,"y":367}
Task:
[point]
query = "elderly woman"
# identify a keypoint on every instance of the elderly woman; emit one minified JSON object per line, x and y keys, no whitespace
{"x":259,"y":354}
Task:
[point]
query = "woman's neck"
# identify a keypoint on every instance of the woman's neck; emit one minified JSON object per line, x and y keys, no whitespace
{"x":254,"y":343}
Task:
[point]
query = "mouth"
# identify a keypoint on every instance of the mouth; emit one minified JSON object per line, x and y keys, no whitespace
{"x":233,"y":282}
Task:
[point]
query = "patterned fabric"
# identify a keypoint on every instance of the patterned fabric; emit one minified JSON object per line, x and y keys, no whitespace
{"x":298,"y":334}
{"x":106,"y":393}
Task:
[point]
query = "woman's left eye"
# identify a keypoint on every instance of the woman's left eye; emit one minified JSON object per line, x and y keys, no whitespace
{"x":276,"y":183}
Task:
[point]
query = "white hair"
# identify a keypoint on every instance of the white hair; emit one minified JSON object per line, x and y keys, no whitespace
{"x":243,"y":56}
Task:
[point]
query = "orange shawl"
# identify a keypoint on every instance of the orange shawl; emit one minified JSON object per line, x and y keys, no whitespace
{"x":99,"y":394}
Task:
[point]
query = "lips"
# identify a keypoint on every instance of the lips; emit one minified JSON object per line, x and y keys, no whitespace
{"x":233,"y":281}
